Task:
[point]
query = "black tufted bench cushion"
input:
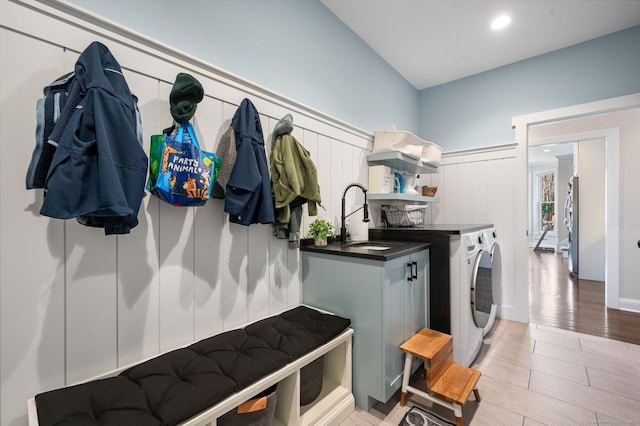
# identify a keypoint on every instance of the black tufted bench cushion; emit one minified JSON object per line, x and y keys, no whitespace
{"x":177,"y":385}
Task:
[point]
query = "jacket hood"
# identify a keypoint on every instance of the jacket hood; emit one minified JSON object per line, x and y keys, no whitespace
{"x":97,"y":68}
{"x":283,"y":127}
{"x":246,"y":123}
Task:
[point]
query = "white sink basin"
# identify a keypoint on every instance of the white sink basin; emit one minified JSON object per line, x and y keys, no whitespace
{"x":370,"y":246}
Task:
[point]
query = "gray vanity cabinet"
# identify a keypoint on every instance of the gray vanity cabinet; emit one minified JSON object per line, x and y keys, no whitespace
{"x":387,"y":304}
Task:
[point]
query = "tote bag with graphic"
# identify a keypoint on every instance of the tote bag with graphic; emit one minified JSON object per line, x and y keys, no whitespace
{"x":180,"y":173}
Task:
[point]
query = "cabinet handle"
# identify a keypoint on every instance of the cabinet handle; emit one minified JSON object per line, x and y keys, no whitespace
{"x":410,"y":272}
{"x":415,"y":274}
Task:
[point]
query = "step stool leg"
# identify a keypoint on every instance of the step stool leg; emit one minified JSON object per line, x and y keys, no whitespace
{"x":476,"y":393}
{"x":405,"y":378}
{"x":457,"y":411}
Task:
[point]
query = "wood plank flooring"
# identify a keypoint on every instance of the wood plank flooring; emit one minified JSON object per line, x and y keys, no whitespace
{"x":557,"y":299}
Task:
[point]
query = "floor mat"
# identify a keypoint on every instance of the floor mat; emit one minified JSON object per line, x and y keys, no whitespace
{"x":419,"y":417}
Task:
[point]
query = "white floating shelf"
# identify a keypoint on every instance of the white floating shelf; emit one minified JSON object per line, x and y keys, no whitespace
{"x":395,"y":196}
{"x":400,"y":162}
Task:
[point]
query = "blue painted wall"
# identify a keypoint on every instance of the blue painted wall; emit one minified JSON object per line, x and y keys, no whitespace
{"x":297,"y":48}
{"x":476,"y":111}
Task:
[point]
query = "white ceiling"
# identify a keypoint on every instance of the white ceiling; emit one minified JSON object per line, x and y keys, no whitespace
{"x":431,"y":42}
{"x":549,"y":152}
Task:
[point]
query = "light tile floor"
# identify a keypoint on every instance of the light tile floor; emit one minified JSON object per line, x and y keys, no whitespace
{"x":538,"y":375}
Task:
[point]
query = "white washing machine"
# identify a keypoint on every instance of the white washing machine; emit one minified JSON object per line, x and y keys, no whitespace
{"x":487,"y":290}
{"x":467,"y":335}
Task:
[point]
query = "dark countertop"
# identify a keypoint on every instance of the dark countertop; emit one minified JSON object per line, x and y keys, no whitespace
{"x":447,"y":229}
{"x":396,"y":249}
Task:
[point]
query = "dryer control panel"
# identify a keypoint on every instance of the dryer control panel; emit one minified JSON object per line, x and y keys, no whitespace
{"x":472,"y":242}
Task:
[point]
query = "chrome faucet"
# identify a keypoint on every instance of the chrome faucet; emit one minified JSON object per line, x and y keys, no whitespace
{"x":365,"y":214}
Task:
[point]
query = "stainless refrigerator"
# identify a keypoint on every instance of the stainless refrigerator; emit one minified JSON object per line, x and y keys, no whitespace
{"x":571,"y":219}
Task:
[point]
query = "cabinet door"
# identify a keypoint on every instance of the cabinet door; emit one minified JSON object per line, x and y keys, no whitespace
{"x":417,"y":295}
{"x":396,"y":290}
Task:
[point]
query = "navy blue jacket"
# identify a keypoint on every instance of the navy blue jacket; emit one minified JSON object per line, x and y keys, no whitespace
{"x":98,"y":172}
{"x":248,"y":197}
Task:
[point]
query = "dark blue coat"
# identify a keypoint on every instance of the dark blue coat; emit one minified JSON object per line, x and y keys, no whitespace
{"x":248,"y":197}
{"x":98,"y":172}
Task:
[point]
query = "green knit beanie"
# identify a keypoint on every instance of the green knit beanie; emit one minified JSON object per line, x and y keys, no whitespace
{"x":184,"y":97}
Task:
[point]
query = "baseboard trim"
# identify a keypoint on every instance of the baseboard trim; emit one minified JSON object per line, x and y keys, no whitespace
{"x":510,"y":313}
{"x":631,"y":305}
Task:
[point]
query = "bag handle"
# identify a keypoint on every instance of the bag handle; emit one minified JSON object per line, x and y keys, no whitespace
{"x":192,"y":134}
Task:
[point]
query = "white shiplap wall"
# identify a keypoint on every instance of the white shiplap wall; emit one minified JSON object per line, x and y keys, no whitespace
{"x":74,"y":302}
{"x":479,"y":187}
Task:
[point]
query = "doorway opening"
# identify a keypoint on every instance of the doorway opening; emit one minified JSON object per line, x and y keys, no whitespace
{"x":556,"y":164}
{"x":598,"y":112}
{"x":608,"y":141}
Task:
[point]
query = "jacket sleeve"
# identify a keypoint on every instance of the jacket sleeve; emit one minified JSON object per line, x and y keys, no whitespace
{"x":244,"y":181}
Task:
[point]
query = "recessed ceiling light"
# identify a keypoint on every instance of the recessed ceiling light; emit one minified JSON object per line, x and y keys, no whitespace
{"x":500,"y":22}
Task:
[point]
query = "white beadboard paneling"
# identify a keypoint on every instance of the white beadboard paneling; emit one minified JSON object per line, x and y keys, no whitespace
{"x":348,"y":174}
{"x":310,"y":142}
{"x":481,"y":186}
{"x":280,"y":278}
{"x":497,"y":194}
{"x":137,"y":252}
{"x":176,"y":276}
{"x":32,"y":246}
{"x":465,"y":193}
{"x":360,"y":166}
{"x":177,"y":258}
{"x":209,"y":221}
{"x":298,"y":132}
{"x":337,"y":185}
{"x":449,"y":196}
{"x":294,"y":290}
{"x":324,"y":176}
{"x":491,"y":199}
{"x":257,"y":303}
{"x":210,"y":124}
{"x":233,"y":262}
{"x":91,"y":302}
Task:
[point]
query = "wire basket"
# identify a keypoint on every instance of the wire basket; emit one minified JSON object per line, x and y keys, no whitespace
{"x":408,"y":215}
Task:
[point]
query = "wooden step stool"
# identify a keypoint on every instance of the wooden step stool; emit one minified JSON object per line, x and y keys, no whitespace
{"x":448,"y":383}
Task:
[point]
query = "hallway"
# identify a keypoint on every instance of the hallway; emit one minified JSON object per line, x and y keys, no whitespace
{"x":558,"y":300}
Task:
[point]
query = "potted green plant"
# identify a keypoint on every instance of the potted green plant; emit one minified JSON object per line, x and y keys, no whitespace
{"x":320,"y":229}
